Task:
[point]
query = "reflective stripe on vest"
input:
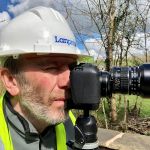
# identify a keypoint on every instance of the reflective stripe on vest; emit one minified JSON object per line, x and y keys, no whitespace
{"x":61,"y":133}
{"x":6,"y":137}
{"x":4,"y":132}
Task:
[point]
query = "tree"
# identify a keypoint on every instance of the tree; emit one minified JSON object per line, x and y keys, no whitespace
{"x":117,"y":23}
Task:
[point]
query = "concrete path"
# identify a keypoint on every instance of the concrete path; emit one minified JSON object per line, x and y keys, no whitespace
{"x":122,"y":141}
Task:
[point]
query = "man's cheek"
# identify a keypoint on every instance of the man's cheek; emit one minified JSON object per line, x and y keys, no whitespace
{"x":47,"y":83}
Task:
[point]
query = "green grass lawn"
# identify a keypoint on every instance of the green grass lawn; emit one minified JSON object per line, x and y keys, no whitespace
{"x":145,"y":108}
{"x":141,"y":103}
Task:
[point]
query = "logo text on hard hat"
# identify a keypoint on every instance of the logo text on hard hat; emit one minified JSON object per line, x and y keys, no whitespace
{"x":64,"y":40}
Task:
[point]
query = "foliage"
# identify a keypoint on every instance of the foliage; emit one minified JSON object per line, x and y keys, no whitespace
{"x":1,"y":88}
{"x":86,"y":59}
{"x":137,"y":107}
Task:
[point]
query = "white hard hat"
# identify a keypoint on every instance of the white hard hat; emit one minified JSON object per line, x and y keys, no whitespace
{"x":40,"y":30}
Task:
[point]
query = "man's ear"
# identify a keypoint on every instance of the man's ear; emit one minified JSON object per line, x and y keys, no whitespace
{"x":9,"y":82}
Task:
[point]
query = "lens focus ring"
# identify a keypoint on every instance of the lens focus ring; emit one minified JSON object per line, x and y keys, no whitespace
{"x":124,"y":79}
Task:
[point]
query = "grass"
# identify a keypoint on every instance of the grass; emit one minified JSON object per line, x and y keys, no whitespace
{"x":145,"y":108}
{"x":141,"y":104}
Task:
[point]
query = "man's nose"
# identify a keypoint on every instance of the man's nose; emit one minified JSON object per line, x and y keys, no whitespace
{"x":63,"y":78}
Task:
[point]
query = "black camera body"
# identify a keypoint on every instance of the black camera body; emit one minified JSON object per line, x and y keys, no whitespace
{"x":85,"y":86}
{"x":88,"y":84}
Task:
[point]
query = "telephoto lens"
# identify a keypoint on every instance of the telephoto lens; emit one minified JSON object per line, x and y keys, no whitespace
{"x":131,"y":80}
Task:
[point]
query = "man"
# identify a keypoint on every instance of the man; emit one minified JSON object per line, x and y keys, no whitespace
{"x":36,"y":50}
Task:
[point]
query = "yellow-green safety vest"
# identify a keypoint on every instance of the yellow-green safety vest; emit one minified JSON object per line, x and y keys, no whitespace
{"x":6,"y":136}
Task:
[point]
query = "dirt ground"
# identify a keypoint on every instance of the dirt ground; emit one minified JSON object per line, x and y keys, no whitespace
{"x":134,"y":125}
{"x":139,"y":125}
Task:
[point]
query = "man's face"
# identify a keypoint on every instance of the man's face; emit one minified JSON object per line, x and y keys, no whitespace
{"x":44,"y":87}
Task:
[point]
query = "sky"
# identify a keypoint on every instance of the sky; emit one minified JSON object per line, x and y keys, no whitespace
{"x":3,"y":5}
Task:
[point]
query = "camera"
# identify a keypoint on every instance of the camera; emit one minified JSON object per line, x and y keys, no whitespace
{"x":89,"y":84}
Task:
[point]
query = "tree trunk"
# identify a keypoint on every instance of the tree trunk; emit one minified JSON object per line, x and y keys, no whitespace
{"x":109,"y":52}
{"x":113,"y":109}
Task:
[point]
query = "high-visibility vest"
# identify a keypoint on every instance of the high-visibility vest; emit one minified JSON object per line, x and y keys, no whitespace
{"x":6,"y":136}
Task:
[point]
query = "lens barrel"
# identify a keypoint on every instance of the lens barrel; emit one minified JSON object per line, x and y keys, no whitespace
{"x":131,"y":80}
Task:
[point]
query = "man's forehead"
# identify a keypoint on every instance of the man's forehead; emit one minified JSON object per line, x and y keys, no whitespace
{"x":52,"y":57}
